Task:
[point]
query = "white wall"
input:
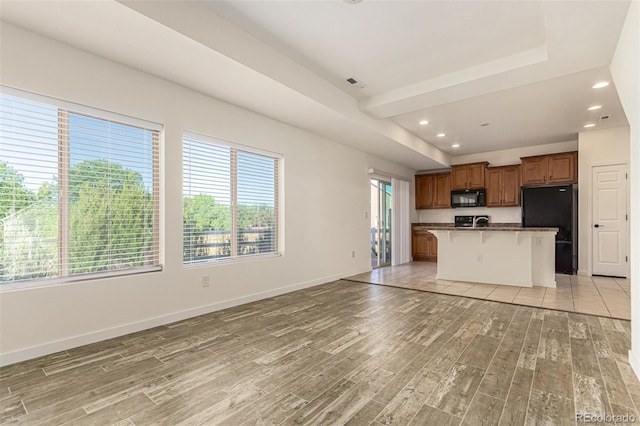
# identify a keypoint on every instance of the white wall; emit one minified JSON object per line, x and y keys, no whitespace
{"x":326,"y":197}
{"x":625,"y":69}
{"x":495,"y":158}
{"x":496,"y":214}
{"x":596,"y":148}
{"x":507,"y":157}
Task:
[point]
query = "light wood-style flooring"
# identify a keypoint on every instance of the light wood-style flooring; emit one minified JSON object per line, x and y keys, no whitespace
{"x":339,"y":353}
{"x":603,"y":296}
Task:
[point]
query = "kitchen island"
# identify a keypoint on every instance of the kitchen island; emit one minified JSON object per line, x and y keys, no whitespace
{"x":504,"y":255}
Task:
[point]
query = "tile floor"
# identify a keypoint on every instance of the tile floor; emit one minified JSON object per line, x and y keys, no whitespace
{"x":603,"y":296}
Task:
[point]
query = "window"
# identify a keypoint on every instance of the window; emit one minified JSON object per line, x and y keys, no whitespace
{"x":230,"y":200}
{"x":78,"y":191}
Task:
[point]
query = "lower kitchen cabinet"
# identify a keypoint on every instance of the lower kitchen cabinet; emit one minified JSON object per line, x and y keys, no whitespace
{"x":424,"y":246}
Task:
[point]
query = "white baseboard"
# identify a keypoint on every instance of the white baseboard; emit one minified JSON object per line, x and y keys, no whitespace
{"x":19,"y":355}
{"x":583,"y":273}
{"x":635,"y":363}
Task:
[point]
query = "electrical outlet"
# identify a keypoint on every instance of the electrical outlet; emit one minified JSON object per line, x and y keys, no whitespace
{"x":480,"y":258}
{"x":205,"y":281}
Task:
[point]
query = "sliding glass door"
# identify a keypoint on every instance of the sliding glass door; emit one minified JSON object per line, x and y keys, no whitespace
{"x":380,"y":223}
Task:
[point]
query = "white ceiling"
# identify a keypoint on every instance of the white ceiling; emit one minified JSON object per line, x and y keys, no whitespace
{"x":524,"y":67}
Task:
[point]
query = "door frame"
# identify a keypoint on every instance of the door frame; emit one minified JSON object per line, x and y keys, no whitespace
{"x":589,"y":215}
{"x":388,"y":221}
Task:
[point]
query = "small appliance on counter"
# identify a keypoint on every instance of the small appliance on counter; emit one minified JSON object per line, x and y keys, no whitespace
{"x":478,"y":221}
{"x":468,"y":198}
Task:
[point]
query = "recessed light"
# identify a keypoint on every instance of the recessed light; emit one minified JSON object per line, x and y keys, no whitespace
{"x":455,"y":145}
{"x":600,"y":85}
{"x":589,"y":125}
{"x":423,"y":122}
{"x":595,"y":107}
{"x":441,"y":135}
{"x":484,"y":124}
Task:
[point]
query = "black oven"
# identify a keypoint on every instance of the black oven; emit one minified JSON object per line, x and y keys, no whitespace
{"x":468,"y":198}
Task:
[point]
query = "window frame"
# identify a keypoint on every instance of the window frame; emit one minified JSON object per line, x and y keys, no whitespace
{"x":108,"y":116}
{"x":279,"y":200}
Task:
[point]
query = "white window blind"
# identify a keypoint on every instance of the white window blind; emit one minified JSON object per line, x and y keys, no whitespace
{"x":78,"y":192}
{"x":230,"y":201}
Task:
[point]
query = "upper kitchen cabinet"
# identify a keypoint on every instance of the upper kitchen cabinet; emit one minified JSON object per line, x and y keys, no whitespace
{"x":550,"y":169}
{"x":468,"y":176}
{"x":433,"y":191}
{"x":503,"y":186}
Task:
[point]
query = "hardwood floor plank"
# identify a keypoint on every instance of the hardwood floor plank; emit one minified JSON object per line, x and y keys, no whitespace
{"x":484,"y":411}
{"x":549,"y":409}
{"x":366,"y":415}
{"x":116,"y":412}
{"x":590,"y":395}
{"x":327,"y":378}
{"x":112,"y":397}
{"x":553,"y":377}
{"x":432,"y":416}
{"x":529,"y":353}
{"x":630,"y":379}
{"x":498,"y":376}
{"x":406,"y":404}
{"x":584,"y":359}
{"x":455,"y":392}
{"x":620,"y":344}
{"x":316,"y":408}
{"x":274,"y":414}
{"x":616,"y":388}
{"x":277,"y":398}
{"x":480,"y":351}
{"x":11,"y":409}
{"x":346,"y":405}
{"x":600,"y":341}
{"x":77,"y":388}
{"x":515,"y":409}
{"x":554,"y":340}
{"x":181,"y":407}
{"x":399,"y":381}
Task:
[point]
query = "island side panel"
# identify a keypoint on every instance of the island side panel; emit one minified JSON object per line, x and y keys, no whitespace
{"x":544,"y":259}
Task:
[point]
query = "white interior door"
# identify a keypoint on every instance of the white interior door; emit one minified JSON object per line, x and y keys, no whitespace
{"x":609,"y":220}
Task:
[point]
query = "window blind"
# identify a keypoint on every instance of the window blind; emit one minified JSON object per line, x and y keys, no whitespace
{"x":230,"y":201}
{"x":79,"y":192}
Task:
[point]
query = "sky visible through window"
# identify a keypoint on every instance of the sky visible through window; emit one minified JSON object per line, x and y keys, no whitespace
{"x":255,"y":174}
{"x":29,"y":134}
{"x":29,"y":142}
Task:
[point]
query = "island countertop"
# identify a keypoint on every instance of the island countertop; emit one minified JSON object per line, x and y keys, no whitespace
{"x":504,"y":227}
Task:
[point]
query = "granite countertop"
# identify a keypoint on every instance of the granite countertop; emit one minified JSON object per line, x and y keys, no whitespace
{"x":492,"y":227}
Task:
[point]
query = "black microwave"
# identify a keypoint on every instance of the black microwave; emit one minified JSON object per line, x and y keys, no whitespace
{"x":468,"y":198}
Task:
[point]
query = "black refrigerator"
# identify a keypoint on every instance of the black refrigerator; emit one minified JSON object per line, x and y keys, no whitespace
{"x":555,"y":207}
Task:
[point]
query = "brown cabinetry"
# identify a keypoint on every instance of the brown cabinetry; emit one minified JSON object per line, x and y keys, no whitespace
{"x":433,"y":191}
{"x":550,"y":169}
{"x":503,"y":186}
{"x":468,"y":176}
{"x":424,"y":246}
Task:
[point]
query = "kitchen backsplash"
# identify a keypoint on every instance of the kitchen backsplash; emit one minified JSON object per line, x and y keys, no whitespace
{"x":496,"y":215}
